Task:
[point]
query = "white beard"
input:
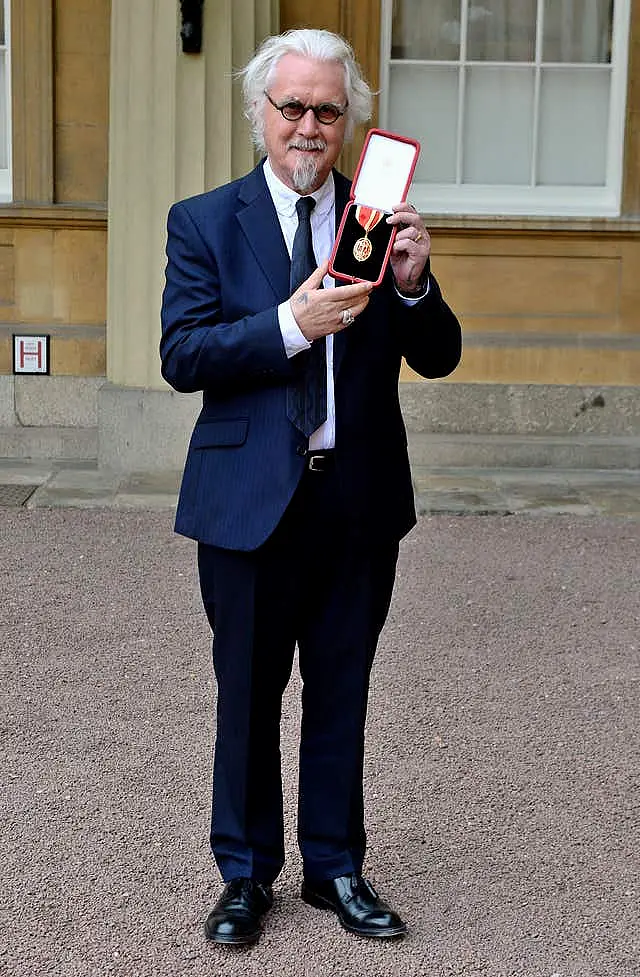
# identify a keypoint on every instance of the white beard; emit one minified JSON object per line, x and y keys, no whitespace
{"x":305,"y":174}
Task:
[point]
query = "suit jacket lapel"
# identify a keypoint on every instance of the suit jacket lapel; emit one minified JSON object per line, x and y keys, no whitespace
{"x":261,"y":227}
{"x":260,"y":224}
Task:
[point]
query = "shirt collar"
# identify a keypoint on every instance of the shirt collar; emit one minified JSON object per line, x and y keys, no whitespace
{"x":285,"y":199}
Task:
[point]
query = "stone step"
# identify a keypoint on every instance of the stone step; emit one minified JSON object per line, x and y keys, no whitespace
{"x":523,"y":451}
{"x":426,"y":450}
{"x":55,"y":443}
{"x":543,"y":409}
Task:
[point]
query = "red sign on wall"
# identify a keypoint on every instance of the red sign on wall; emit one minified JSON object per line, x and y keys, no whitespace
{"x":31,"y":354}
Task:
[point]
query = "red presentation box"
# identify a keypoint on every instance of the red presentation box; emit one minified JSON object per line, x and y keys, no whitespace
{"x":382,"y":178}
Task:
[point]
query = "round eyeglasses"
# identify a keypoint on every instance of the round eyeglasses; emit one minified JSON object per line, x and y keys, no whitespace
{"x":327,"y":113}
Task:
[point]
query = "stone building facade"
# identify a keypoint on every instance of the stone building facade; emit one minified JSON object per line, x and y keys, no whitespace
{"x":107,"y":121}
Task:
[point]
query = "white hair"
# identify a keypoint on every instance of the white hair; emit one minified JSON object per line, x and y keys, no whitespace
{"x":317,"y":45}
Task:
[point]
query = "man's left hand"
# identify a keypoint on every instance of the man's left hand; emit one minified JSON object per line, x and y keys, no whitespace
{"x":410,"y":250}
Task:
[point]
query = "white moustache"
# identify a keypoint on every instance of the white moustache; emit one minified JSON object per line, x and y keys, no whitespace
{"x":307,"y":144}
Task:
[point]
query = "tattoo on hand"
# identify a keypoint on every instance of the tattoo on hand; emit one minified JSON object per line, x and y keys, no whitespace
{"x":303,"y":299}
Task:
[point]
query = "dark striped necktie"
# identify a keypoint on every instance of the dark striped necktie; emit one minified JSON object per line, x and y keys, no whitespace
{"x":307,"y":393}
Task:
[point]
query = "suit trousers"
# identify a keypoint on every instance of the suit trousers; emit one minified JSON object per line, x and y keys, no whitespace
{"x":312,"y":583}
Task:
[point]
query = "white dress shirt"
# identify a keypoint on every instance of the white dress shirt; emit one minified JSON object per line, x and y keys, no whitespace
{"x":323,"y":231}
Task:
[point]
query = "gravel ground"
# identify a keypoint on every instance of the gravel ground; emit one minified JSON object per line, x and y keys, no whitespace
{"x":502,"y":762}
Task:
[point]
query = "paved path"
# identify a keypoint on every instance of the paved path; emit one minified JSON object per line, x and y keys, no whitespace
{"x":454,"y":491}
{"x":503,"y":754}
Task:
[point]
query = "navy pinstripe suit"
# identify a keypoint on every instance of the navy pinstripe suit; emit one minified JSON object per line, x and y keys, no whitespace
{"x":269,"y":577}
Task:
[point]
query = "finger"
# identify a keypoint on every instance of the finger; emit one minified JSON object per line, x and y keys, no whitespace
{"x":416,"y":232}
{"x":347,"y":294}
{"x":315,"y":278}
{"x":355,"y":308}
{"x":409,"y":223}
{"x":360,"y":308}
{"x":410,"y":234}
{"x":355,"y":303}
{"x":409,"y":245}
{"x":401,"y":218}
{"x":403,"y":208}
{"x":345,"y":323}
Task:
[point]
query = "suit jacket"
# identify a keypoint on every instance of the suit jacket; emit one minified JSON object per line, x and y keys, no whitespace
{"x":227,"y":271}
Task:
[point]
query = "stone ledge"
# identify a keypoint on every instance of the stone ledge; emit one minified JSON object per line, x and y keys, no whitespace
{"x":143,"y":430}
{"x":55,"y":443}
{"x":528,"y":409}
{"x":57,"y":401}
{"x":54,"y":216}
{"x":7,"y":401}
{"x":429,"y":451}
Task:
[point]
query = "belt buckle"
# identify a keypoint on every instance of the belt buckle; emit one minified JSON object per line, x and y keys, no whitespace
{"x":316,"y":463}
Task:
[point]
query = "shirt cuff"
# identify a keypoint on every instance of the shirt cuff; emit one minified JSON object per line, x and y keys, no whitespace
{"x":410,"y":300}
{"x":292,"y":336}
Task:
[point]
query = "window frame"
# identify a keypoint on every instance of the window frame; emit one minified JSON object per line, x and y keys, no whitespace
{"x":6,"y":173}
{"x":521,"y":200}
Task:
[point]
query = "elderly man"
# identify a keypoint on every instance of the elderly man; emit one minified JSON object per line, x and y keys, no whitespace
{"x":297,"y":484}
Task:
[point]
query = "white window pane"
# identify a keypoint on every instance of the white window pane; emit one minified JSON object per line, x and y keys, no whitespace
{"x":502,"y":30}
{"x":423,"y":104}
{"x":4,"y":156}
{"x":426,"y":31}
{"x":577,"y":31}
{"x":498,"y":125}
{"x":541,"y":137}
{"x":574,"y":117}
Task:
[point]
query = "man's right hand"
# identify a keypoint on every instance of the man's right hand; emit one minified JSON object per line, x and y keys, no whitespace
{"x":318,"y":311}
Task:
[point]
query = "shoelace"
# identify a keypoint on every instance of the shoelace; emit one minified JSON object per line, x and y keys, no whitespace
{"x":244,"y":888}
{"x":360,"y":886}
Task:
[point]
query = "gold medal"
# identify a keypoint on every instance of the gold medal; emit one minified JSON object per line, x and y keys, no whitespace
{"x":362,"y":249}
{"x":368,"y":219}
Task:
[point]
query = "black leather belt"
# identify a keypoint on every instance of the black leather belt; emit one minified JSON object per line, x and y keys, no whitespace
{"x":320,"y":461}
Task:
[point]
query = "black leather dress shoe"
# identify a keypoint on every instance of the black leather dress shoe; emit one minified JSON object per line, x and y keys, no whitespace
{"x":356,"y":904}
{"x":235,"y":918}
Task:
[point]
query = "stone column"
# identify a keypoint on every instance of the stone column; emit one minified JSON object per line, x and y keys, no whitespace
{"x":176,"y":129}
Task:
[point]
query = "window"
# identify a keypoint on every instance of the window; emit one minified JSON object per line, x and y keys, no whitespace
{"x":5,"y":104}
{"x":519,"y":104}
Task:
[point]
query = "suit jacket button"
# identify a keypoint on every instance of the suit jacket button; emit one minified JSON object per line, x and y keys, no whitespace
{"x":301,"y":450}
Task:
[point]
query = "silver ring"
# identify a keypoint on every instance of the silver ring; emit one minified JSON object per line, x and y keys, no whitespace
{"x":348,"y":317}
